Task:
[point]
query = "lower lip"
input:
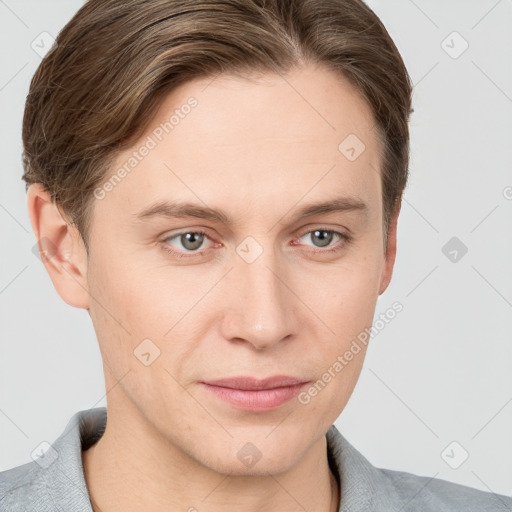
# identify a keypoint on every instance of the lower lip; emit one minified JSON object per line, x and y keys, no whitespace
{"x":258,"y":399}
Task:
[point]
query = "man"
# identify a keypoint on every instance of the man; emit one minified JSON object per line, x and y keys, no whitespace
{"x":218,"y":184}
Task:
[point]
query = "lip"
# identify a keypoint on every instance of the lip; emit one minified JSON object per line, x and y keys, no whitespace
{"x":252,"y":394}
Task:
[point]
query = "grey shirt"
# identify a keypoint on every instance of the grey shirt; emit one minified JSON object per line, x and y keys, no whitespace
{"x":56,"y":483}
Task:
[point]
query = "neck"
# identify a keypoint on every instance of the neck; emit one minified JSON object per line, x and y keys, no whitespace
{"x":155,"y":475}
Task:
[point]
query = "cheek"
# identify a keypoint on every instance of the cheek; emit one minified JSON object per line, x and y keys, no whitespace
{"x":347,"y":307}
{"x":123,"y":309}
{"x":147,"y":299}
{"x":345,"y":294}
{"x":130,"y":320}
{"x":158,"y":303}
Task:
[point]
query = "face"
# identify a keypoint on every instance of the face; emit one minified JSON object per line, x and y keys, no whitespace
{"x":209,"y":260}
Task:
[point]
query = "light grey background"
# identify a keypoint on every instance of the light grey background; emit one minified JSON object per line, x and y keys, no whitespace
{"x":440,"y":372}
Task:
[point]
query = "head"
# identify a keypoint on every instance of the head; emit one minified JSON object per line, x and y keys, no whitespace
{"x":222,"y":197}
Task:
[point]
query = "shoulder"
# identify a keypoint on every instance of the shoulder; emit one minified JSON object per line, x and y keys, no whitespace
{"x":54,"y":481}
{"x":23,"y":488}
{"x":414,"y":492}
{"x":365,"y":487}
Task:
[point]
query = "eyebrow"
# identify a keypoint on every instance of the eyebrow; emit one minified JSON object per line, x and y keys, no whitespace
{"x":169,"y":209}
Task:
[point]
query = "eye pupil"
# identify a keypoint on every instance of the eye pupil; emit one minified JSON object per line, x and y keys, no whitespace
{"x":324,"y":236}
{"x":191,"y":241}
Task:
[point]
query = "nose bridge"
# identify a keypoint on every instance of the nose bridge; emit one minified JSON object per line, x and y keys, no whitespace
{"x":260,"y":306}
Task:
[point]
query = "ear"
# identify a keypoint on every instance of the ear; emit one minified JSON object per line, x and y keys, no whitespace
{"x":389,"y":258}
{"x":61,"y":247}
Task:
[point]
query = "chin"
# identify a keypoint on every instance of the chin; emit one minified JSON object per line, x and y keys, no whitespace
{"x":255,"y":455}
{"x":233,"y":467}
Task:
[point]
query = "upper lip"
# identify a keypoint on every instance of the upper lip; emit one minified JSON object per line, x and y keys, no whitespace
{"x":252,"y":383}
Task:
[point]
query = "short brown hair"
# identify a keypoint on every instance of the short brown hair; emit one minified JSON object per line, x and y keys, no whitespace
{"x":104,"y":79}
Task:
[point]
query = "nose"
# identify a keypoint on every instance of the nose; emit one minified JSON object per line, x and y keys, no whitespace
{"x":260,"y":309}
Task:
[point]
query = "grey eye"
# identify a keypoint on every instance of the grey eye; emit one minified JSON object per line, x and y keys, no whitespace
{"x":323,"y":237}
{"x":190,"y":241}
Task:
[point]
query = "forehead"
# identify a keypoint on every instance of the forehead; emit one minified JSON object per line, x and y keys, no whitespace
{"x":308,"y":106}
{"x":256,"y":138}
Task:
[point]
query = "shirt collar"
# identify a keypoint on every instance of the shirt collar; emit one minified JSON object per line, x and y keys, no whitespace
{"x":358,"y":479}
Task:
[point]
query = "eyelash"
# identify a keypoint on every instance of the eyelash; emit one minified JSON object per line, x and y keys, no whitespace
{"x":343,"y":236}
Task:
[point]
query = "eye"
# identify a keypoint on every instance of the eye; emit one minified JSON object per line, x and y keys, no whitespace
{"x":324,"y":237}
{"x":189,"y":241}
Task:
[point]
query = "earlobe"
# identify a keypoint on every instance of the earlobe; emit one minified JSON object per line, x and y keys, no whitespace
{"x":61,"y":248}
{"x":390,"y":255}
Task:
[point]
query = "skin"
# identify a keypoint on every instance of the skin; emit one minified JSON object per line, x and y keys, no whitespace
{"x":258,"y":150}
